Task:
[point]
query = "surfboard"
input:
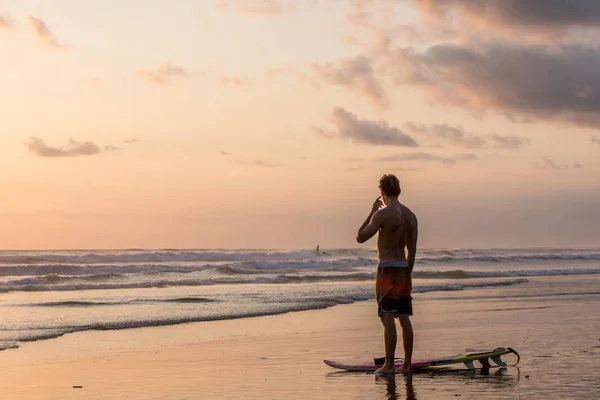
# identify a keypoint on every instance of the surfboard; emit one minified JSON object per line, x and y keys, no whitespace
{"x":485,"y":359}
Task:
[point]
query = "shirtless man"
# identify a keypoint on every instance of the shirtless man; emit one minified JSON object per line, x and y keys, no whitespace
{"x":398,"y":228}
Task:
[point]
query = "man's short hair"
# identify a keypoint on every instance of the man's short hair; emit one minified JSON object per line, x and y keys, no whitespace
{"x":390,"y":185}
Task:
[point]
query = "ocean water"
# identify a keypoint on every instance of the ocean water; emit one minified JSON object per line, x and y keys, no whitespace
{"x":44,"y":294}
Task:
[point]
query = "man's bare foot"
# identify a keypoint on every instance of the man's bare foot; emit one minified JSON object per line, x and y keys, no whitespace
{"x":385,"y":370}
{"x":406,"y":367}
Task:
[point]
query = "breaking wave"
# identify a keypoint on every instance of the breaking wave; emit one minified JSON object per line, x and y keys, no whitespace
{"x":214,"y":256}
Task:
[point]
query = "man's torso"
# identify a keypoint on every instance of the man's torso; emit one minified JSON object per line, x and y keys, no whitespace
{"x":394,"y":232}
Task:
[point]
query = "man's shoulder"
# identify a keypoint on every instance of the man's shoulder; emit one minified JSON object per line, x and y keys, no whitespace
{"x":407,"y":210}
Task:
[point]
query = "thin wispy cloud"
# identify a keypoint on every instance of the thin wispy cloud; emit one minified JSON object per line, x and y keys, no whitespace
{"x":272,"y":73}
{"x":225,"y":153}
{"x":164,"y":75}
{"x":445,"y":134}
{"x":235,"y":81}
{"x":349,"y":126}
{"x":595,"y":140}
{"x":547,"y":163}
{"x":508,"y":142}
{"x":110,"y":147}
{"x":6,"y":22}
{"x":43,"y":33}
{"x":428,"y":157}
{"x":256,"y":7}
{"x":169,"y":69}
{"x":131,"y":141}
{"x":355,"y":74}
{"x":154,"y":78}
{"x":258,"y":163}
{"x":73,"y":148}
{"x":356,"y":168}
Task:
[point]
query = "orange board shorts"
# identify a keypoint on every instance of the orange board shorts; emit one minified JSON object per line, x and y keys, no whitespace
{"x":393,"y":287}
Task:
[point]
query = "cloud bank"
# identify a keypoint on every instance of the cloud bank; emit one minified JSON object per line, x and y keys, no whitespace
{"x":539,"y":16}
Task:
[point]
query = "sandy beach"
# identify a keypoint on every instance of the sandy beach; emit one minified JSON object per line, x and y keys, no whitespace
{"x":280,"y":357}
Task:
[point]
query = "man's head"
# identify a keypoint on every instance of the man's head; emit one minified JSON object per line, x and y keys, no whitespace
{"x":389,"y":186}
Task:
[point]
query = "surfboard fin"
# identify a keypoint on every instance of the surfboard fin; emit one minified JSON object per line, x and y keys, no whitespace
{"x":485,"y":363}
{"x":498,"y":361}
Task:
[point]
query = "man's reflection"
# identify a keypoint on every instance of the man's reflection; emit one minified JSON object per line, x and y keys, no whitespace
{"x":390,"y":381}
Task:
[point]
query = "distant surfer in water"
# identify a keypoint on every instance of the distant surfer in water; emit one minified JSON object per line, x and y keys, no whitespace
{"x":398,"y":229}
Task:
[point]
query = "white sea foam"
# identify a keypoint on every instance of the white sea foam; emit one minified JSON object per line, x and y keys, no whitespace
{"x":424,"y":256}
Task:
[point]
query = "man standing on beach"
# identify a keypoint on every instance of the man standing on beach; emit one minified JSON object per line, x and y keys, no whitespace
{"x":398,"y":229}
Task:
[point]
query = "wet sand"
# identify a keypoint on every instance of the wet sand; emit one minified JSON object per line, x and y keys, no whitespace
{"x":280,"y":357}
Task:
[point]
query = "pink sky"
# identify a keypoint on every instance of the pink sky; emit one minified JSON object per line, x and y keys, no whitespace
{"x":239,"y":124}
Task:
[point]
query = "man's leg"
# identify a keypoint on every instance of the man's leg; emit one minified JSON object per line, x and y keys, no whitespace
{"x":407,"y":339}
{"x":390,"y":339}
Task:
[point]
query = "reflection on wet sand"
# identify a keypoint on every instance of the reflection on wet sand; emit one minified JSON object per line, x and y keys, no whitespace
{"x":390,"y":384}
{"x":480,"y":380}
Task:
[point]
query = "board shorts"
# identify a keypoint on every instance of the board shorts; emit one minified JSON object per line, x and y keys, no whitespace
{"x":393,"y":288}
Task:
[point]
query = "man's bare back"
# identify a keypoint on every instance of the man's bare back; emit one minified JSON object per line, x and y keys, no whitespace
{"x":397,"y":224}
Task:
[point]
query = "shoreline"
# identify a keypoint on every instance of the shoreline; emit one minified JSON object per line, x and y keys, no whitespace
{"x":280,"y":356}
{"x":114,"y":326}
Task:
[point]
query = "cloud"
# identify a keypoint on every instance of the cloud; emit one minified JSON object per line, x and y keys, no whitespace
{"x":428,"y":157}
{"x":595,"y":140}
{"x":110,"y":147}
{"x":6,"y":22}
{"x":256,"y":7}
{"x":43,"y":33}
{"x":258,"y":163}
{"x":169,"y":69}
{"x":457,"y":136}
{"x":447,"y":133}
{"x":508,"y":142}
{"x":162,"y":76}
{"x":154,"y":79}
{"x":225,"y":153}
{"x":131,"y":141}
{"x":356,"y":168}
{"x":74,"y":148}
{"x":547,"y":17}
{"x":349,"y":126}
{"x":547,"y":163}
{"x":357,"y":75}
{"x":235,"y":81}
{"x":523,"y":82}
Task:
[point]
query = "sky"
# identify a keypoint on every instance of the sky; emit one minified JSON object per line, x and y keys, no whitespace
{"x":267,"y":124}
